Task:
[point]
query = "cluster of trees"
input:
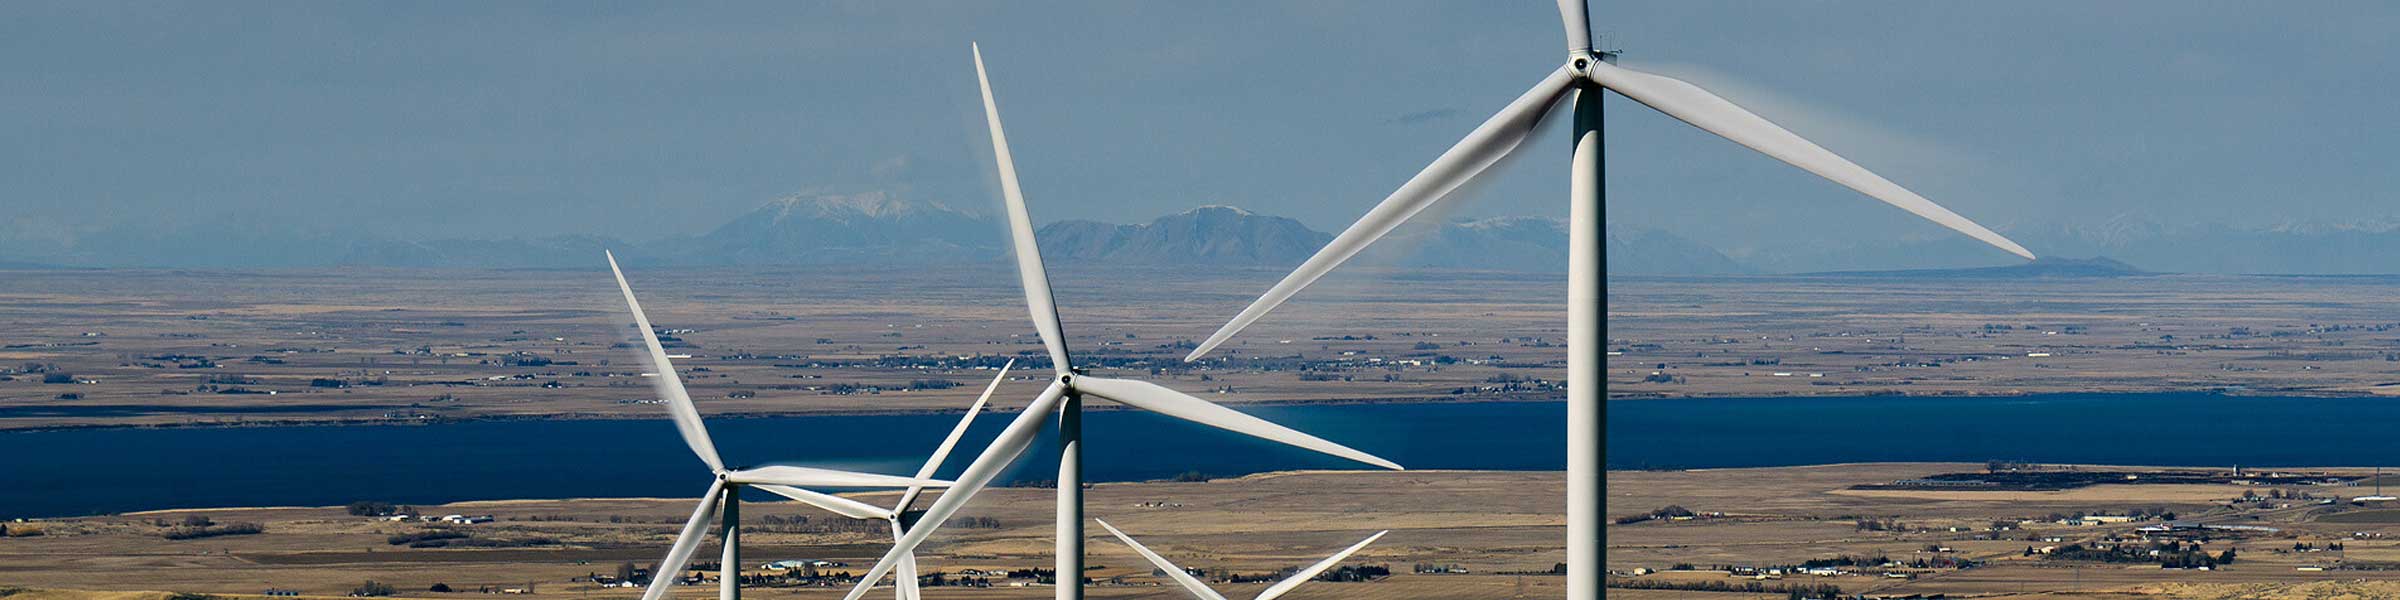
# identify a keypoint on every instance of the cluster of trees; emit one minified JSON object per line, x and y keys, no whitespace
{"x":2284,"y":494}
{"x":1845,"y":561}
{"x":1358,"y":573}
{"x":2155,"y":512}
{"x":940,"y":579}
{"x":49,"y":372}
{"x":372,"y":589}
{"x":973,"y":523}
{"x":626,"y":571}
{"x":521,"y":359}
{"x":1881,"y":525}
{"x":1797,"y":591}
{"x":441,"y":538}
{"x":1349,"y":574}
{"x":422,"y":537}
{"x":374,"y":508}
{"x":196,"y":526}
{"x":2172,"y":555}
{"x":803,"y":524}
{"x":1668,"y":512}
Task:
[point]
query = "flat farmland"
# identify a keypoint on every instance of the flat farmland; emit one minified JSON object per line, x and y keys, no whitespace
{"x":181,"y":348}
{"x":1495,"y":528}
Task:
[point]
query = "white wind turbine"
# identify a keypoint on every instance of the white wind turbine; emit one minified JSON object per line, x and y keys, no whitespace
{"x":723,"y":496}
{"x":899,"y":515}
{"x":1583,"y":76}
{"x":1200,"y":590}
{"x":1065,"y":394}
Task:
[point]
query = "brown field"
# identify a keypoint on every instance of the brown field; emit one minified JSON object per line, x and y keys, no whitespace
{"x":193,"y":348}
{"x":1488,"y":523}
{"x":1482,"y":520}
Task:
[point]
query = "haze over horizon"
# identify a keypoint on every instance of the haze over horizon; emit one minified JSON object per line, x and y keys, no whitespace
{"x":534,"y":120}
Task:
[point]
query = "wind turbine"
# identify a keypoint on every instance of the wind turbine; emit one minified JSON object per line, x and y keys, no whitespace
{"x":1065,"y":394}
{"x":1583,"y":76}
{"x":1200,"y":590}
{"x":899,"y":515}
{"x":723,"y":496}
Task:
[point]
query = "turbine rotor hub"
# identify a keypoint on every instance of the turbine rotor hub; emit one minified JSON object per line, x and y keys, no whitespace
{"x":1580,"y":62}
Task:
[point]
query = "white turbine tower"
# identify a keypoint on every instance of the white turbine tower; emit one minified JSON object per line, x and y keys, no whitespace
{"x":899,"y":516}
{"x":1065,"y":394}
{"x":723,"y":496}
{"x":1200,"y":590}
{"x":1583,"y":76}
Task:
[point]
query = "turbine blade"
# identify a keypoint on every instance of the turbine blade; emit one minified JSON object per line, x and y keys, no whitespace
{"x":1004,"y":449}
{"x":670,"y":386}
{"x":1020,"y":232}
{"x":671,"y":569}
{"x":1579,"y":26}
{"x":1159,"y":399}
{"x":831,"y":503}
{"x":905,"y":575}
{"x":1487,"y":144}
{"x":1189,"y":583}
{"x":1283,"y":587}
{"x":942,"y":453}
{"x":1689,"y":103}
{"x":797,"y":476}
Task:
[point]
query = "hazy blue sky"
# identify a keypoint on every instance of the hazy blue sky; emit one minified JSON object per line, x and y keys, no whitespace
{"x":642,"y":120}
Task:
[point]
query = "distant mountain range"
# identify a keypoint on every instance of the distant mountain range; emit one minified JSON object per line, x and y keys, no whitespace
{"x":886,"y":228}
{"x":881,"y":228}
{"x":1209,"y":235}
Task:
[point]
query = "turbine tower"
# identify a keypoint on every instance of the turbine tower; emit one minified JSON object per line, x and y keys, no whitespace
{"x":1583,"y":77}
{"x":724,"y":494}
{"x":1065,"y":394}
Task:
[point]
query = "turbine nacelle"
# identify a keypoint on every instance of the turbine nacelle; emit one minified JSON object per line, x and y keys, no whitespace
{"x":1069,"y":381}
{"x":1585,"y":74}
{"x":723,"y":495}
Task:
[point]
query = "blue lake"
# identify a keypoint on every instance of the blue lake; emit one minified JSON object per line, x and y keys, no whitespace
{"x":74,"y":472}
